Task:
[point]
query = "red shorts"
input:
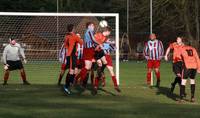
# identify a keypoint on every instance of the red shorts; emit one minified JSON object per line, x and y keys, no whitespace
{"x":88,"y":54}
{"x":109,"y":60}
{"x":153,"y":64}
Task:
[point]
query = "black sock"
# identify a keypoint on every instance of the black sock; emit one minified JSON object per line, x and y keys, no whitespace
{"x":67,"y":81}
{"x":71,"y":78}
{"x":192,"y":90}
{"x":103,"y":67}
{"x":182,"y":91}
{"x":175,"y":81}
{"x":179,"y":80}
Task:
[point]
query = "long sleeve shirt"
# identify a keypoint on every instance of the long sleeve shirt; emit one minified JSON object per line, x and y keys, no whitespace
{"x":12,"y":53}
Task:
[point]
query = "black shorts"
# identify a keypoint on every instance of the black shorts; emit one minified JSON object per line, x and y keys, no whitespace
{"x":14,"y":65}
{"x":71,"y":62}
{"x":99,"y":54}
{"x":189,"y":73}
{"x":178,"y":67}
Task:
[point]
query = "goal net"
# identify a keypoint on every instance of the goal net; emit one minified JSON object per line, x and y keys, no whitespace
{"x":42,"y":34}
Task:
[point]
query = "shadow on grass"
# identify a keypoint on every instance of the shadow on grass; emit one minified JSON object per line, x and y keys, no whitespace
{"x":166,"y":91}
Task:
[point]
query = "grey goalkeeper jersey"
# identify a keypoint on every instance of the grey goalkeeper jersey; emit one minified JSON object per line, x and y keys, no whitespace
{"x":12,"y":53}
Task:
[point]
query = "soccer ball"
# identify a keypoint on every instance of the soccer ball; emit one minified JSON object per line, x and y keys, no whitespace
{"x":103,"y":23}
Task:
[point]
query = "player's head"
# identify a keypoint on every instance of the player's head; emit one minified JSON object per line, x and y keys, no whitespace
{"x":90,"y":25}
{"x":70,"y":28}
{"x":107,"y":30}
{"x":179,"y":40}
{"x":12,"y":41}
{"x":78,"y":35}
{"x":152,"y":36}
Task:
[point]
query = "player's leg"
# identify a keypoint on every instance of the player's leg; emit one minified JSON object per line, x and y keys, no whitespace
{"x":110,"y":68}
{"x":104,"y":63}
{"x":88,"y":56}
{"x":192,"y":84}
{"x":149,"y":70}
{"x":76,"y":72}
{"x":70,"y":75}
{"x":18,"y":65}
{"x":185,"y":75}
{"x":98,"y":75}
{"x":84,"y":71}
{"x":6,"y":76}
{"x":157,"y":71}
{"x":93,"y":68}
{"x":177,"y":69}
{"x":23,"y":76}
{"x":182,"y":88}
{"x":62,"y":72}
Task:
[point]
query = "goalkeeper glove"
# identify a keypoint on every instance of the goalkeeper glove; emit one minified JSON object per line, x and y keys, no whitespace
{"x":25,"y":61}
{"x":6,"y":66}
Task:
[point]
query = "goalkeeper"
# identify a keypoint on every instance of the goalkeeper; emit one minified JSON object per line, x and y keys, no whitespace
{"x":11,"y":59}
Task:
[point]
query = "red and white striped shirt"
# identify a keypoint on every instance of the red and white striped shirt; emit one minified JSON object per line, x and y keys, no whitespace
{"x":153,"y":50}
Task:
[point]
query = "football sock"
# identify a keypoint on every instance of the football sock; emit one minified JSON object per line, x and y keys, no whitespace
{"x":103,"y":67}
{"x":60,"y":78}
{"x":23,"y":75}
{"x":114,"y":81}
{"x":179,"y":80}
{"x":182,"y":91}
{"x":96,"y":84}
{"x":192,"y":90}
{"x":71,"y":78}
{"x":67,"y":81}
{"x":158,"y":75}
{"x":148,"y":77}
{"x":83,"y":73}
{"x":6,"y":76}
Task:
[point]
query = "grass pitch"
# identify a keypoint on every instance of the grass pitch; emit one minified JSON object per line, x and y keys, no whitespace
{"x":44,"y":99}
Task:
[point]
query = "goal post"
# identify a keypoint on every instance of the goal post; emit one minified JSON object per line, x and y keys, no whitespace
{"x":41,"y":34}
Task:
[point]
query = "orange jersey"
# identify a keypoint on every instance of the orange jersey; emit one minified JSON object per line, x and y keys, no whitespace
{"x":70,"y":43}
{"x":190,"y":57}
{"x":176,"y":51}
{"x":100,"y":38}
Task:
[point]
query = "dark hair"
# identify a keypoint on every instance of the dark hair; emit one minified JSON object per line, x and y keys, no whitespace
{"x":70,"y":27}
{"x":88,"y":23}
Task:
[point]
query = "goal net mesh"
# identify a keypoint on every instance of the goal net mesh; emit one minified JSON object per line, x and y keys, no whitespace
{"x":41,"y":37}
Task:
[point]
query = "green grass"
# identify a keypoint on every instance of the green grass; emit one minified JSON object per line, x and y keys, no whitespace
{"x":44,"y":99}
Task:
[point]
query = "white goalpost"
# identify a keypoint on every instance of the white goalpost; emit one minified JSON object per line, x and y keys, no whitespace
{"x":42,"y":34}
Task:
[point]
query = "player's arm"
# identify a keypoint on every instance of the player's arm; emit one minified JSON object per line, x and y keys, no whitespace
{"x":21,"y":51}
{"x":145,"y":51}
{"x":4,"y":58}
{"x":167,"y":53}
